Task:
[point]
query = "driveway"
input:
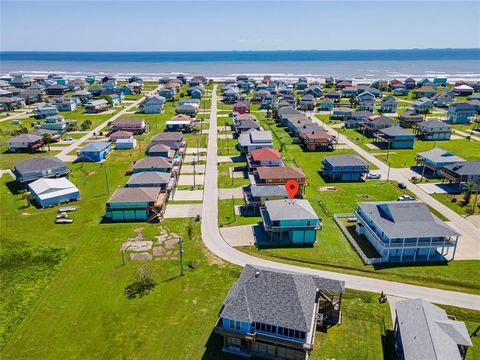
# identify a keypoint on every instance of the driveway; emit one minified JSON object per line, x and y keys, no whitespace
{"x":439,"y":188}
{"x":224,"y":194}
{"x":188,"y":195}
{"x":189,"y":180}
{"x":183,"y":210}
{"x":239,"y":235}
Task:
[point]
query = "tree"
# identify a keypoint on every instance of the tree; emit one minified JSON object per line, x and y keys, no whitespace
{"x":108,"y":98}
{"x":85,"y":124}
{"x":143,"y":282}
{"x":47,"y":140}
{"x":27,"y":196}
{"x":469,"y":189}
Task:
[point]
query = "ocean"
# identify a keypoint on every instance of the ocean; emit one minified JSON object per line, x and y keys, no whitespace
{"x":360,"y":65}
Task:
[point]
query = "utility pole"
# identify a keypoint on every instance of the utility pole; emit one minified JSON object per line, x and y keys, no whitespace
{"x":193,"y":163}
{"x":388,"y":173}
{"x":233,"y":207}
{"x":180,"y":242}
{"x":106,"y":179}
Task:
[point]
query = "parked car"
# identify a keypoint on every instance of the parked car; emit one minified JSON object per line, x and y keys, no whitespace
{"x":406,"y":198}
{"x":67,"y":138}
{"x":373,"y":176}
{"x":402,"y":186}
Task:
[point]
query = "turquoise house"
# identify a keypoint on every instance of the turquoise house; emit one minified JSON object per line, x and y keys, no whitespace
{"x":326,"y":105}
{"x":168,"y":94}
{"x":134,"y":204}
{"x":56,"y":123}
{"x":440,"y":82}
{"x":401,"y":91}
{"x":44,"y":111}
{"x":289,"y":222}
{"x":396,"y":137}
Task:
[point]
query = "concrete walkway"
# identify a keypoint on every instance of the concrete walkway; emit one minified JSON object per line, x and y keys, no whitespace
{"x":217,"y":245}
{"x":16,"y":115}
{"x":465,"y":134}
{"x":468,"y":244}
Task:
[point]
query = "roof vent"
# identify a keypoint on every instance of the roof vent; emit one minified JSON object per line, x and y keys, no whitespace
{"x":257,"y":273}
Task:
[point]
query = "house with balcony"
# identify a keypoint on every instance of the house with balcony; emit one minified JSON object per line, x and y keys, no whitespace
{"x":425,"y":331}
{"x":434,"y":160}
{"x":341,"y":113}
{"x":154,"y":105}
{"x":344,"y":167}
{"x":254,"y":139}
{"x":326,"y":105}
{"x":166,"y":93}
{"x":274,"y":314}
{"x":94,"y":151}
{"x":433,"y":130}
{"x":463,"y":90}
{"x":56,"y":123}
{"x":256,"y":195}
{"x":279,"y":175}
{"x":136,"y":204}
{"x":376,"y":123}
{"x":44,"y":110}
{"x":443,"y":99}
{"x":134,"y":125}
{"x":425,"y":91}
{"x":96,"y":106}
{"x":405,"y":231}
{"x":317,"y":139}
{"x":25,"y":143}
{"x":264,"y":157}
{"x":388,"y":105}
{"x":462,"y":173}
{"x":292,"y":222}
{"x":423,"y":105}
{"x":409,"y":119}
{"x":461,"y":113}
{"x":366,"y":101}
{"x":396,"y":137}
{"x":174,"y":140}
{"x":410,"y":83}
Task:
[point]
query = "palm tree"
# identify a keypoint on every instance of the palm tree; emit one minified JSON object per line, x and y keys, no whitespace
{"x":469,"y":188}
{"x":47,"y":139}
{"x":27,"y":196}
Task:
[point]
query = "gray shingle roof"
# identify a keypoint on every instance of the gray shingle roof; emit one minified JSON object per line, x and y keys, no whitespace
{"x":465,"y":168}
{"x":427,"y":333}
{"x":39,"y":164}
{"x":273,"y":190}
{"x":274,"y":297}
{"x":149,"y":177}
{"x":149,"y":194}
{"x":95,"y":146}
{"x":286,"y":209}
{"x":405,"y":219}
{"x":396,"y":131}
{"x":438,"y":155}
{"x":346,"y":160}
{"x":155,"y":162}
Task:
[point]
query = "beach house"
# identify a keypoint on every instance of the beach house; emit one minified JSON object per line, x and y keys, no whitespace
{"x":155,"y":179}
{"x":152,"y":163}
{"x":160,"y":150}
{"x":254,"y":139}
{"x":40,"y":167}
{"x":317,"y":140}
{"x":433,"y":130}
{"x":376,"y":123}
{"x":167,"y":93}
{"x":56,"y":123}
{"x":307,"y":102}
{"x":50,"y":191}
{"x":366,"y":101}
{"x":443,"y":99}
{"x":463,"y":90}
{"x":136,"y":126}
{"x":405,"y":231}
{"x":423,"y":105}
{"x":409,"y":119}
{"x":396,"y":137}
{"x":344,"y":167}
{"x":274,"y":314}
{"x":174,"y":140}
{"x":154,"y":105}
{"x":425,"y":331}
{"x":25,"y":143}
{"x":136,"y":204}
{"x":341,"y":113}
{"x":96,"y":106}
{"x":94,"y":151}
{"x":264,"y":157}
{"x":461,"y":113}
{"x":44,"y":110}
{"x":425,"y":91}
{"x":410,"y":83}
{"x":434,"y":160}
{"x":279,"y":175}
{"x":126,"y":144}
{"x":388,"y":105}
{"x":326,"y":105}
{"x":289,"y":222}
{"x":462,"y":173}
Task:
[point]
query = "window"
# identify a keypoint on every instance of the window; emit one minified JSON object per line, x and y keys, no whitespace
{"x":232,"y":324}
{"x":269,"y":328}
{"x":297,"y":334}
{"x":262,"y":327}
{"x":280,"y":330}
{"x":285,"y":331}
{"x":237,"y":325}
{"x":309,"y":223}
{"x":291,"y":333}
{"x":302,"y":335}
{"x":274,"y":329}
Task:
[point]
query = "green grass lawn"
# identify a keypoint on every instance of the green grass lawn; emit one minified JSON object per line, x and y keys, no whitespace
{"x":459,"y":206}
{"x":224,"y":178}
{"x":227,"y":147}
{"x":332,"y":251}
{"x":227,"y":218}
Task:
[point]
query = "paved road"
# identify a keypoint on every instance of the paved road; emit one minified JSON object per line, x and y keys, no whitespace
{"x":16,"y":115}
{"x":465,"y":134}
{"x":469,"y":243}
{"x":64,"y":153}
{"x":215,"y":243}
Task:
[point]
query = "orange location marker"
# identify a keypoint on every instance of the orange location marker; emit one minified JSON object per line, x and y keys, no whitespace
{"x":292,"y":188}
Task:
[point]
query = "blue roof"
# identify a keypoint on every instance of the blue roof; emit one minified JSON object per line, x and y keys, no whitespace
{"x":95,"y":146}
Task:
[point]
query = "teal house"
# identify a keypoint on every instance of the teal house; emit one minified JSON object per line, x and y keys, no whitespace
{"x":440,"y":81}
{"x":326,"y":105}
{"x":289,"y":222}
{"x":461,"y":113}
{"x":167,"y":93}
{"x":396,"y":137}
{"x":135,"y":204}
{"x":45,"y":110}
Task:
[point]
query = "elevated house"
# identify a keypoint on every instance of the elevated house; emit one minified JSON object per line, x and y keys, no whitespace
{"x":256,"y":195}
{"x":44,"y":110}
{"x":180,"y":123}
{"x":254,"y":139}
{"x":341,"y":113}
{"x":333,"y":95}
{"x":440,"y":81}
{"x":96,"y":106}
{"x":161,"y":150}
{"x":137,"y":126}
{"x":187,"y":109}
{"x":258,"y":96}
{"x":174,"y":140}
{"x":316,"y":140}
{"x":405,"y":231}
{"x":264,"y":157}
{"x":21,"y":81}
{"x":443,"y":99}
{"x":401,"y":91}
{"x":56,"y":123}
{"x":289,"y":222}
{"x":30,"y":170}
{"x":434,"y":160}
{"x":65,"y":104}
{"x":31,"y":96}
{"x":366,"y":101}
{"x":396,"y":137}
{"x":425,"y":91}
{"x":388,"y":105}
{"x":136,"y":204}
{"x":423,"y":105}
{"x":409,"y":119}
{"x":48,"y":192}
{"x":410,"y":83}
{"x":307,"y":102}
{"x":120,"y":134}
{"x":315,"y":90}
{"x":152,"y":163}
{"x":94,"y":151}
{"x":25,"y":143}
{"x":154,"y":179}
{"x":126,"y":144}
{"x":274,"y":314}
{"x":166,"y":93}
{"x":463,"y":90}
{"x":326,"y":105}
{"x":279,"y":175}
{"x":56,"y":90}
{"x":231,"y":95}
{"x":344,"y":167}
{"x":433,"y":130}
{"x":11,"y":103}
{"x":154,"y":105}
{"x":372,"y":126}
{"x":269,"y":101}
{"x":425,"y":331}
{"x":241,"y":108}
{"x":462,"y":173}
{"x":461,"y":113}
{"x":247,"y":124}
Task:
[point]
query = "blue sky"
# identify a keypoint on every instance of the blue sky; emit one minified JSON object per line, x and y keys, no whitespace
{"x":230,"y":25}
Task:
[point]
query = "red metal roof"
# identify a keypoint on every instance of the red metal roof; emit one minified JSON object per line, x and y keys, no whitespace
{"x":265,"y":155}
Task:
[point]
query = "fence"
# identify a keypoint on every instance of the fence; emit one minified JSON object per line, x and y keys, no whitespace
{"x":366,"y":260}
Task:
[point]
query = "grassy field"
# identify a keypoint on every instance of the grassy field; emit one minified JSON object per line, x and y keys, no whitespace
{"x":225,"y":179}
{"x":459,"y":206}
{"x":227,"y":218}
{"x":332,"y":251}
